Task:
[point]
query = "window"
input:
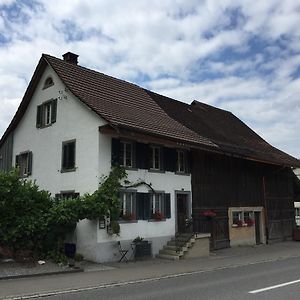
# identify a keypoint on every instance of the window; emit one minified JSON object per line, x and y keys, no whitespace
{"x":46,"y":113}
{"x":126,"y":154}
{"x":237,"y":217}
{"x":155,"y":161}
{"x":68,"y":155}
{"x":48,"y":82}
{"x":181,"y":161}
{"x":243,"y":218}
{"x":157,"y":206}
{"x":67,"y":195}
{"x":24,"y":163}
{"x":128,"y":206}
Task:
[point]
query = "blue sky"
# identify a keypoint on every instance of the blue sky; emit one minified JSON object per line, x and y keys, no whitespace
{"x":237,"y":55}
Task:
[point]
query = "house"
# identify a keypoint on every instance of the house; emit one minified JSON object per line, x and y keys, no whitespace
{"x":74,"y":123}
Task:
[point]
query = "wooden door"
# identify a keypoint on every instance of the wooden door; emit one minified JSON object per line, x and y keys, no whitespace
{"x":182,"y":212}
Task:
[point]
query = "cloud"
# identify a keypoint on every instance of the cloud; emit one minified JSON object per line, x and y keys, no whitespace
{"x":242,"y":57}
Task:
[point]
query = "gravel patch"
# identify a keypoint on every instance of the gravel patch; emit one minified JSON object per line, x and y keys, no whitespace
{"x":10,"y":269}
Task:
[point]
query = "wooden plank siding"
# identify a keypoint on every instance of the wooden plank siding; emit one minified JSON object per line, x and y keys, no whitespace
{"x":220,"y":182}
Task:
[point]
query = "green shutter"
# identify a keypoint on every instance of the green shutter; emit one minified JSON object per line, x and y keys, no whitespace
{"x":29,"y":163}
{"x":115,"y":152}
{"x":39,"y":115}
{"x":161,"y":154}
{"x":143,"y":206}
{"x":170,"y":159}
{"x":53,"y":110}
{"x":167,"y":205}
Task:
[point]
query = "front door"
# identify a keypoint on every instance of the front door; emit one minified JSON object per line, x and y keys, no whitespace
{"x":182,"y":212}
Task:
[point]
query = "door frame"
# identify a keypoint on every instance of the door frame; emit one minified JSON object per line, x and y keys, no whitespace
{"x":189,"y":206}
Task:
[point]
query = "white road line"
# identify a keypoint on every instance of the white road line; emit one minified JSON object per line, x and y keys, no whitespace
{"x":274,"y":287}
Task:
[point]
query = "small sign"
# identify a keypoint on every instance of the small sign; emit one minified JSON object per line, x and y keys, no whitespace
{"x":102,"y":223}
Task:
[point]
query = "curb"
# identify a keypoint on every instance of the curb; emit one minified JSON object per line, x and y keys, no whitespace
{"x":41,"y":274}
{"x":141,"y":280}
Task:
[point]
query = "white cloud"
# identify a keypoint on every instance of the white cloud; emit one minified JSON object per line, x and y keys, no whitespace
{"x":172,"y":47}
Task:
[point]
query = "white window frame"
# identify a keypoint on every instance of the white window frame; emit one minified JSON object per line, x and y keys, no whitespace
{"x":128,"y":196}
{"x":181,"y":161}
{"x":154,"y":198}
{"x":47,"y":113}
{"x":156,"y":164}
{"x":124,"y":151}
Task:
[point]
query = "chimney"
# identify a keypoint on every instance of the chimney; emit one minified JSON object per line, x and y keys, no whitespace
{"x":71,"y":58}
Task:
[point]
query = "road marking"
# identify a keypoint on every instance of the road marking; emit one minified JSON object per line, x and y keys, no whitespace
{"x":274,"y":287}
{"x":119,"y":284}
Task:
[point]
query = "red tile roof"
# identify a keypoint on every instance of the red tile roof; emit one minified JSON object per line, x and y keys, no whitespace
{"x":126,"y":105}
{"x":224,"y":129}
{"x":121,"y":103}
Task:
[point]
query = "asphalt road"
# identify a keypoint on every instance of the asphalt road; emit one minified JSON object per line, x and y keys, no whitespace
{"x":229,"y":283}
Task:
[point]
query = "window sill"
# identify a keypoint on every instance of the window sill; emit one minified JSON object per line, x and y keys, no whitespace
{"x":156,"y":171}
{"x":182,"y":173}
{"x":130,"y":168}
{"x":45,"y":126}
{"x":121,"y":221}
{"x":154,"y":220}
{"x":68,"y":170}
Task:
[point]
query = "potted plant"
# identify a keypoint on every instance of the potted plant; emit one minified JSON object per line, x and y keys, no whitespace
{"x":128,"y":216}
{"x":209,"y":214}
{"x":250,"y":222}
{"x":158,"y":216}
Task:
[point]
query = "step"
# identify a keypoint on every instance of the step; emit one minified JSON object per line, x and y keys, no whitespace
{"x":171,"y":252}
{"x":185,"y":235}
{"x":176,"y":243}
{"x":175,"y":248}
{"x":183,"y":239}
{"x":165,"y":256}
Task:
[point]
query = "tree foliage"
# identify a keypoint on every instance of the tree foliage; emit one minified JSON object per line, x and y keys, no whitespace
{"x":31,"y":220}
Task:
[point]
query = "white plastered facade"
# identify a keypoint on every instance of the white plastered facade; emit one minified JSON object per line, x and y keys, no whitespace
{"x":75,"y":121}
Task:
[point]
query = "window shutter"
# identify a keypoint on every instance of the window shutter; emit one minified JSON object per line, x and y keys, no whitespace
{"x":141,"y":156}
{"x":115,"y":152}
{"x":170,"y":159}
{"x":161,"y":153}
{"x":188,"y":161}
{"x":143,"y":206}
{"x":29,"y":163}
{"x":39,"y":114}
{"x":133,"y":148}
{"x":149,"y":156}
{"x":134,"y":206}
{"x":167,"y":206}
{"x":53,"y":110}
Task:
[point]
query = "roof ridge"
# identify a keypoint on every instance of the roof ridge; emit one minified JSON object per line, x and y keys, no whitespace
{"x":92,"y":70}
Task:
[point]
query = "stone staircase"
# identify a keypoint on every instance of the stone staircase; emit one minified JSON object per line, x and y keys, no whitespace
{"x":177,"y":246}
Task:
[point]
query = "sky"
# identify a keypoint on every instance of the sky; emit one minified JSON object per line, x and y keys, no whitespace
{"x":242,"y":56}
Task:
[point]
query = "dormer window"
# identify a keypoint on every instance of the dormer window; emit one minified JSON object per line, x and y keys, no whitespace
{"x":48,"y":82}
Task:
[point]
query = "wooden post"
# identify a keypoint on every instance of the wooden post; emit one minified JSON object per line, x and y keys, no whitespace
{"x":265,"y":211}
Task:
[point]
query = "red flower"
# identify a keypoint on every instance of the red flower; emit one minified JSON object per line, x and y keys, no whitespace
{"x":208,"y":213}
{"x":250,"y":222}
{"x":158,"y":216}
